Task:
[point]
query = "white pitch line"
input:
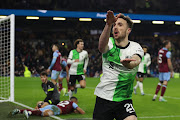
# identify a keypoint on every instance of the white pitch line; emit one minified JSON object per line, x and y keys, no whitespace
{"x":166,"y":96}
{"x":55,"y":117}
{"x":145,"y":117}
{"x":170,"y":116}
{"x":177,"y":98}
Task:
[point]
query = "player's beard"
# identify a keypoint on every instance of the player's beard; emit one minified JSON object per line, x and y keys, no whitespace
{"x":122,"y":36}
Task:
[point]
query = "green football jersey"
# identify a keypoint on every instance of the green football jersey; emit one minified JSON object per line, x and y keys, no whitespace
{"x":146,"y":61}
{"x":77,"y":67}
{"x":116,"y":83}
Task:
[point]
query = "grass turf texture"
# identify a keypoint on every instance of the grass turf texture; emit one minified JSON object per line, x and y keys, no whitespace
{"x":28,"y":91}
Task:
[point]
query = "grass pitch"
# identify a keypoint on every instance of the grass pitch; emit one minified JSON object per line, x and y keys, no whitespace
{"x":28,"y":91}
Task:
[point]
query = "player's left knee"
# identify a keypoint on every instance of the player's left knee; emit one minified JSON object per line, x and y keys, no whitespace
{"x":83,"y":83}
{"x":165,"y":83}
{"x":132,"y":117}
{"x":72,"y":88}
{"x":83,"y":86}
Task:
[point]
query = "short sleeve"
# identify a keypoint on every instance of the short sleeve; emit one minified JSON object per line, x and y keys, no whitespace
{"x":70,"y":55}
{"x":55,"y":55}
{"x":64,"y":63}
{"x":86,"y":54}
{"x":168,"y":54}
{"x":110,"y":44}
{"x":138,"y":50}
{"x":74,"y":105}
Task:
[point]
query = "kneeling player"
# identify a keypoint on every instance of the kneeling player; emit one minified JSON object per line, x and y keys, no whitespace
{"x":50,"y":90}
{"x":78,"y":59}
{"x":64,"y":107}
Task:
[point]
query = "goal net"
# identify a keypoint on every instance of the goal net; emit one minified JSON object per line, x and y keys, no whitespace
{"x":7,"y":58}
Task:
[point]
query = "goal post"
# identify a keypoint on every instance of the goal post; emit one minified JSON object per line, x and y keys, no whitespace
{"x":7,"y":45}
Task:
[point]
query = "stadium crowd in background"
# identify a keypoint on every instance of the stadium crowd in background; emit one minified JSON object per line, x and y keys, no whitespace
{"x":34,"y":50}
{"x":126,"y":6}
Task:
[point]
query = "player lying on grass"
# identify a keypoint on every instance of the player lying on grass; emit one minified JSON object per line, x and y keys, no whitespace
{"x":64,"y":107}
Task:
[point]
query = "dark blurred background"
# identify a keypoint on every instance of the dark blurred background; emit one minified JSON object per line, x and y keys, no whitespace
{"x":125,"y":6}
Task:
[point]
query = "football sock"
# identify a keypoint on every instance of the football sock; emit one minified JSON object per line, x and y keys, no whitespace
{"x":70,"y":94}
{"x":78,"y":86}
{"x":36,"y":112}
{"x":158,"y":88}
{"x":163,"y":90}
{"x":21,"y":111}
{"x":137,"y":85}
{"x":155,"y":96}
{"x":60,"y":86}
{"x":32,"y":112}
{"x":68,"y":87}
{"x":141,"y":87}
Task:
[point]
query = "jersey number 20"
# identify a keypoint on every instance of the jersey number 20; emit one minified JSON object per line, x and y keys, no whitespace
{"x":63,"y":103}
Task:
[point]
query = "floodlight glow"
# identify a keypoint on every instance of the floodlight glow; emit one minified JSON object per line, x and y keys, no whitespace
{"x":59,"y":18}
{"x":32,"y":17}
{"x":2,"y":16}
{"x":177,"y":22}
{"x":85,"y":19}
{"x":136,"y":21}
{"x":158,"y":22}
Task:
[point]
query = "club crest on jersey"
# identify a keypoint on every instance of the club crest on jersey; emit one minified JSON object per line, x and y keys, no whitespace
{"x":49,"y":87}
{"x":127,"y":57}
{"x":139,"y":50}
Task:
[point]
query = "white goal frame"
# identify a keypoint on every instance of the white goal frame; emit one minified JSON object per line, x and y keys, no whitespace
{"x":12,"y":48}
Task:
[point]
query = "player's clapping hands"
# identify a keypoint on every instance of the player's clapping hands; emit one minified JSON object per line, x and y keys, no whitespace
{"x":76,"y":60}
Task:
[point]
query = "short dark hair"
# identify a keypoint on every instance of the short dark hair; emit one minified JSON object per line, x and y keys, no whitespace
{"x":127,"y":19}
{"x":74,"y":98}
{"x":165,"y":42}
{"x":77,"y":42}
{"x":145,"y":46}
{"x":43,"y":73}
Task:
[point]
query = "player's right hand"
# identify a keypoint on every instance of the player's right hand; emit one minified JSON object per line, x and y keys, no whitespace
{"x":110,"y":18}
{"x":172,"y":74}
{"x":84,"y":71}
{"x":76,"y":60}
{"x":48,"y":71}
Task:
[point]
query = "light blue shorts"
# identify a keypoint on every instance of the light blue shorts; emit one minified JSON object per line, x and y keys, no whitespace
{"x":55,"y":74}
{"x":164,"y":76}
{"x":63,"y":74}
{"x":54,"y":108}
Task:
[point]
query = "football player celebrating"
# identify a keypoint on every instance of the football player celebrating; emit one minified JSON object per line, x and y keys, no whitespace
{"x":121,"y":58}
{"x":78,"y":58}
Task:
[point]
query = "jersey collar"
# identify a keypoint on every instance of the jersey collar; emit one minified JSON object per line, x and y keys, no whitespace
{"x":165,"y":48}
{"x":123,"y":47}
